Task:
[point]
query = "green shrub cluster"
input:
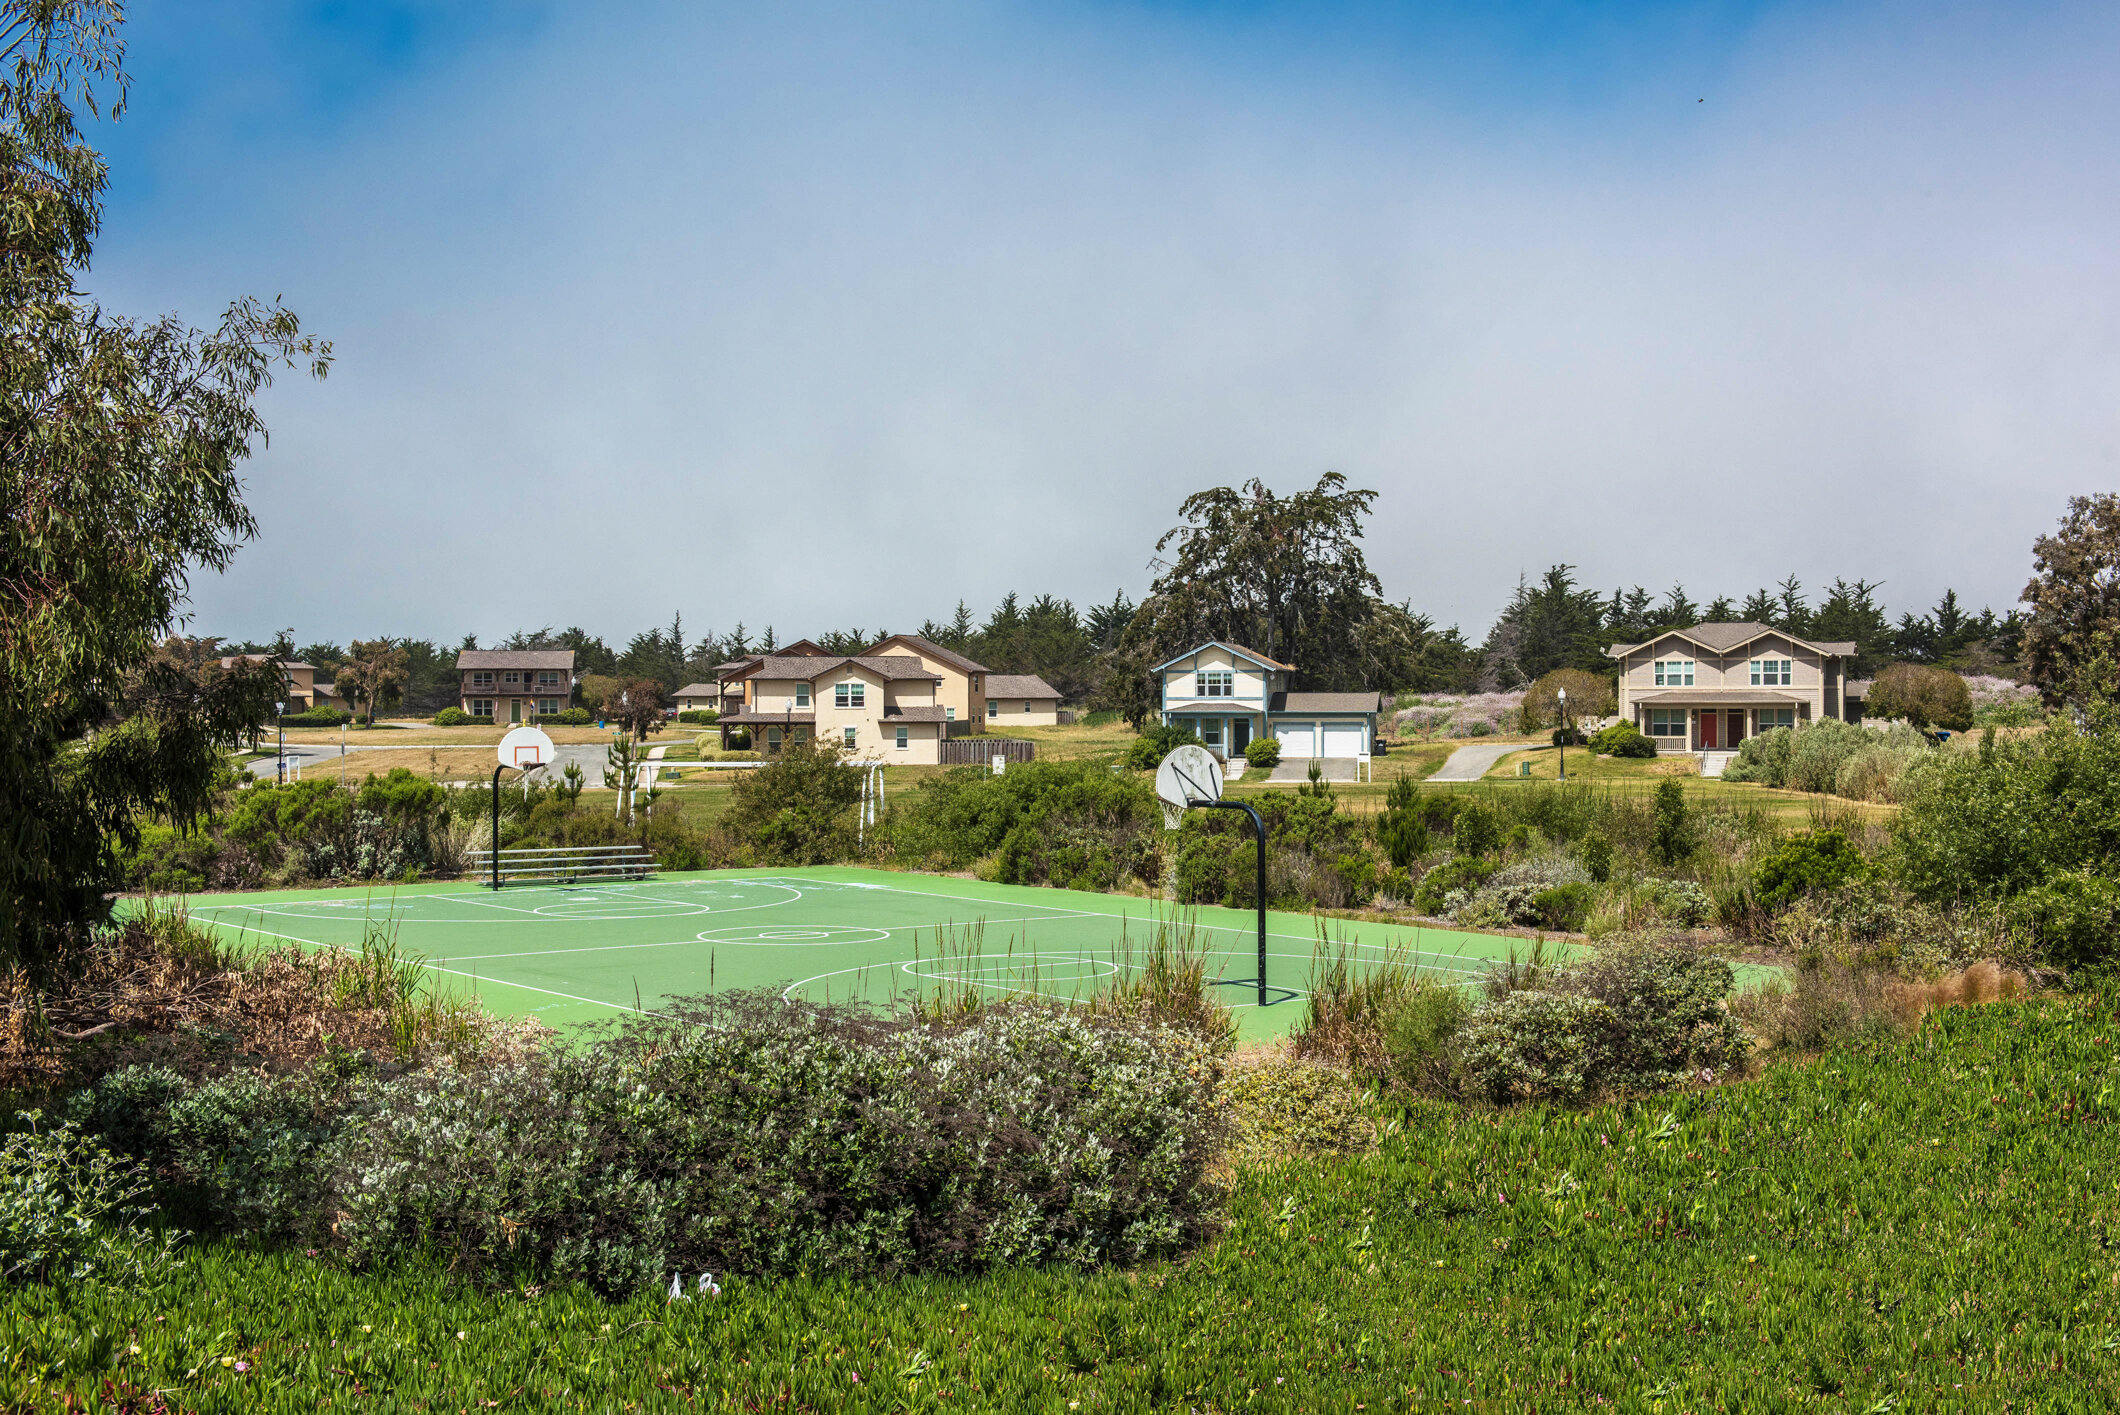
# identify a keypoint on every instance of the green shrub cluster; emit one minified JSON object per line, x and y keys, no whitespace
{"x":70,"y":1210}
{"x":698,"y":716}
{"x":1157,"y":741}
{"x":1623,"y":739}
{"x":735,"y":1134}
{"x":320,"y":716}
{"x":1071,"y":824}
{"x":453,"y":717}
{"x":1841,"y":758}
{"x":1263,"y":752}
{"x":575,"y":717}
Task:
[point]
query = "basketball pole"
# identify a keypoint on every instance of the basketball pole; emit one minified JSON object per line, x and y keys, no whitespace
{"x":1258,"y":828}
{"x":497,"y":824}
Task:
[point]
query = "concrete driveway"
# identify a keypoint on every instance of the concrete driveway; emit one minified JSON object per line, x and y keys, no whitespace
{"x":1472,"y":763}
{"x":1333,"y":768}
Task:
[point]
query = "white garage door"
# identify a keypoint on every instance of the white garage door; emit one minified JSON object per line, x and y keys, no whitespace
{"x":1299,"y":740}
{"x":1344,"y":739}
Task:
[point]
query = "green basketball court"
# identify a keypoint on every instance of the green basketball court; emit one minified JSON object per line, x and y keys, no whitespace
{"x":571,"y":953}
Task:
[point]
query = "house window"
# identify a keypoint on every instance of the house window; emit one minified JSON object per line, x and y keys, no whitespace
{"x":901,"y":739}
{"x":850,"y":695}
{"x":1771,"y":718}
{"x":547,"y":678}
{"x":949,"y":714}
{"x":1667,"y":722}
{"x":1211,"y":731}
{"x":1674,"y":673}
{"x":802,"y":695}
{"x":482,"y":680}
{"x":1215,"y":683}
{"x":482,"y":707}
{"x":1770,"y":672}
{"x":849,"y":737}
{"x":548,"y":707}
{"x":772,"y":739}
{"x":993,"y":707}
{"x":512,"y":678}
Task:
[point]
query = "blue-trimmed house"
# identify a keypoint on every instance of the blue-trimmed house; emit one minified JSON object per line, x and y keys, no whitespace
{"x":1228,"y":694}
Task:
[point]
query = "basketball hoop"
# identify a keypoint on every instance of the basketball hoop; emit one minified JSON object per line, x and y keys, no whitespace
{"x":1189,"y":774}
{"x":525,"y":749}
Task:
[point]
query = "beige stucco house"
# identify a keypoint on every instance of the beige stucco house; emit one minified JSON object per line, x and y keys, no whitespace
{"x":877,"y":707}
{"x":300,"y":684}
{"x":1020,"y":700}
{"x":1707,"y":688}
{"x":515,"y":685}
{"x":961,"y":684}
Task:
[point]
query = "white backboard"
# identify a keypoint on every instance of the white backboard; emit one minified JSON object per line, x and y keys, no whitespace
{"x":1189,"y":773}
{"x":526,"y":747}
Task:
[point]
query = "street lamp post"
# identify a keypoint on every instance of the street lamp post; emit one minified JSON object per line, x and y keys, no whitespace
{"x":1562,"y":693}
{"x":280,"y":772}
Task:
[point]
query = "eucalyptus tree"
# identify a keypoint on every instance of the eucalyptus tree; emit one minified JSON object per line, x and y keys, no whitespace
{"x":120,"y":441}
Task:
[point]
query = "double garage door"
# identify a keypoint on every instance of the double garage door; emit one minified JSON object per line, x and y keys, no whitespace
{"x":1303,"y":740}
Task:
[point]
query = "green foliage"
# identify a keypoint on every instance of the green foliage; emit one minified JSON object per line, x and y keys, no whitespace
{"x":1157,"y":741}
{"x":1595,"y":852}
{"x":1263,"y":752}
{"x":1283,"y":1109}
{"x":1804,"y":863}
{"x":1073,"y":824}
{"x":1535,"y":1046}
{"x":452,"y":717}
{"x":2074,"y":915}
{"x":1403,"y":830}
{"x":1475,"y":829}
{"x":1464,"y":873}
{"x":69,"y":1211}
{"x":1674,"y":837}
{"x":1829,"y":756}
{"x":319,"y":717}
{"x":2073,"y":629}
{"x":1564,"y":906}
{"x":1921,"y":696}
{"x":1623,"y":739}
{"x":698,"y":717}
{"x":798,"y":809}
{"x":1589,"y":695}
{"x":575,"y":717}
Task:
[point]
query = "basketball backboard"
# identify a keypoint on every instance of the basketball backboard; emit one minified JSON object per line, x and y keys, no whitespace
{"x":525,"y":748}
{"x":1188,"y":774}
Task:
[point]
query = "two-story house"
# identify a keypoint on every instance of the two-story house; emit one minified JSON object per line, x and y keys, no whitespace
{"x":1228,"y":694}
{"x":300,"y":684}
{"x":515,"y":685}
{"x":961,"y":684}
{"x":879,"y":707}
{"x":1707,"y":688}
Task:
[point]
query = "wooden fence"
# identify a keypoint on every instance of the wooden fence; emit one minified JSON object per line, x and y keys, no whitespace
{"x":979,"y":751}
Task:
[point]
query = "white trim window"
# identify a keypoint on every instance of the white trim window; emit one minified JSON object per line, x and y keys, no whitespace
{"x":1211,"y":731}
{"x":1771,"y":672}
{"x":511,"y":679}
{"x":851,"y":694}
{"x":904,"y":738}
{"x":949,"y":714}
{"x":1674,"y":673}
{"x":548,"y":678}
{"x":1667,"y":722}
{"x":849,"y":737}
{"x":1215,"y":683}
{"x":1771,"y":718}
{"x":482,"y":707}
{"x":802,"y":695}
{"x":993,"y":708}
{"x":482,"y":678}
{"x":548,"y":707}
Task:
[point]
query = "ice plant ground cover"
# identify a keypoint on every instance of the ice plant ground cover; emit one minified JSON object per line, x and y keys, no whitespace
{"x":1920,"y":1225}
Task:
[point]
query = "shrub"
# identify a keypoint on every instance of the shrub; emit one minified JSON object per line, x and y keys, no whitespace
{"x":1673,"y":837}
{"x":452,"y":717}
{"x":1589,"y":695}
{"x":1668,"y":1020}
{"x":1147,"y":751}
{"x":1803,"y":863}
{"x":1464,"y":873}
{"x":68,"y":1210}
{"x":1596,"y":854}
{"x":798,"y":809}
{"x":317,"y":717}
{"x":1284,"y":1109}
{"x":1403,"y":830}
{"x":1564,"y":906}
{"x":1063,"y":823}
{"x":575,"y":717}
{"x":1921,"y":696}
{"x":1263,"y":751}
{"x":1475,"y":829}
{"x":1683,"y":902}
{"x":2073,"y":916}
{"x":1623,"y":739}
{"x":1535,"y":1046}
{"x":699,"y":716}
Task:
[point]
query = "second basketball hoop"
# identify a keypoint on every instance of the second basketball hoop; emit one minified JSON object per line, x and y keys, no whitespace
{"x":1189,"y":774}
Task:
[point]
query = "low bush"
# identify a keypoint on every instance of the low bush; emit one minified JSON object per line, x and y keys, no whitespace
{"x":1147,"y":751}
{"x":1071,"y":824}
{"x":1535,"y":1046}
{"x":1475,"y":829}
{"x":699,"y":716}
{"x":70,"y":1210}
{"x":1263,"y":752}
{"x":1459,"y":874}
{"x":1565,"y":906}
{"x":1921,"y":695}
{"x":1283,"y":1109}
{"x":1803,"y":863}
{"x":453,"y":717}
{"x":1623,"y":739}
{"x":798,"y":809}
{"x":1595,"y":852}
{"x":317,"y":717}
{"x":575,"y":717}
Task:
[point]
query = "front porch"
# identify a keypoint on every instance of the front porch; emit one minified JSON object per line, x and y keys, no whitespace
{"x":1224,"y":731}
{"x":1682,"y":723}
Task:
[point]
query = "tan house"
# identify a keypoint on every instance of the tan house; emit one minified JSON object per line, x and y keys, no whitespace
{"x":1707,"y":688}
{"x":1020,"y":700}
{"x":302,"y":690}
{"x":515,"y":685}
{"x":1227,"y":694}
{"x":961,"y":690}
{"x":877,"y":707}
{"x":695,"y":697}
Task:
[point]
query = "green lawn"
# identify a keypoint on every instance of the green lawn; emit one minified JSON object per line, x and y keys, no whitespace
{"x":1927,"y":1226}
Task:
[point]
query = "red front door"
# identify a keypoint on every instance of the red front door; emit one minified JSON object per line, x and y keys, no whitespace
{"x":1709,"y":721}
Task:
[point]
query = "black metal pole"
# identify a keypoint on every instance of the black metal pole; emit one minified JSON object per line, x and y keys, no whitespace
{"x":497,"y":825}
{"x":1258,"y":829}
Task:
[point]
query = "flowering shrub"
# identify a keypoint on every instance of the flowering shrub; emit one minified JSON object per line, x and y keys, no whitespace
{"x":68,"y":1210}
{"x":1477,"y":715}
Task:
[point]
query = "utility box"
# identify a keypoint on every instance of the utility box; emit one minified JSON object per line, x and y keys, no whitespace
{"x":1523,"y":768}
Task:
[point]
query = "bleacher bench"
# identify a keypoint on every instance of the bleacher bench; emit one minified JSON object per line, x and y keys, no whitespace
{"x":565,"y":864}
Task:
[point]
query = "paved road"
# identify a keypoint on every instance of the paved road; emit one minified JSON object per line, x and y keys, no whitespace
{"x":1472,"y":763}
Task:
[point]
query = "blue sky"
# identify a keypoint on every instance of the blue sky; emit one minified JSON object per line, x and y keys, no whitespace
{"x":831,"y":315}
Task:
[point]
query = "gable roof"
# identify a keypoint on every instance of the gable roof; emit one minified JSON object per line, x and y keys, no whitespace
{"x":516,"y":658}
{"x":1722,"y":637}
{"x":893,"y":667}
{"x":699,"y":690}
{"x":1238,"y":649}
{"x":1020,"y":685}
{"x":233,"y":659}
{"x":928,"y":648}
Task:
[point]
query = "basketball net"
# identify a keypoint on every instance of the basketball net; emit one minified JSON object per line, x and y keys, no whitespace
{"x":1173,"y":813}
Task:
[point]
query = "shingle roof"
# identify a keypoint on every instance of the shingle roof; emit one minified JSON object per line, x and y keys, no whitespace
{"x":1324,"y":702}
{"x":742,"y":715}
{"x":894,"y":667}
{"x":516,"y":658}
{"x":1253,"y":654}
{"x":1722,"y":637}
{"x":916,"y":713}
{"x":928,"y":648}
{"x":1019,"y":685}
{"x":699,"y":690}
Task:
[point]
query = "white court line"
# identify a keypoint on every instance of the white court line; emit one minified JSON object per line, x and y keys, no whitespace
{"x":675,"y":943}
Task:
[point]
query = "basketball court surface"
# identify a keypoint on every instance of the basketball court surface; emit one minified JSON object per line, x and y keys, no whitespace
{"x":572,"y":953}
